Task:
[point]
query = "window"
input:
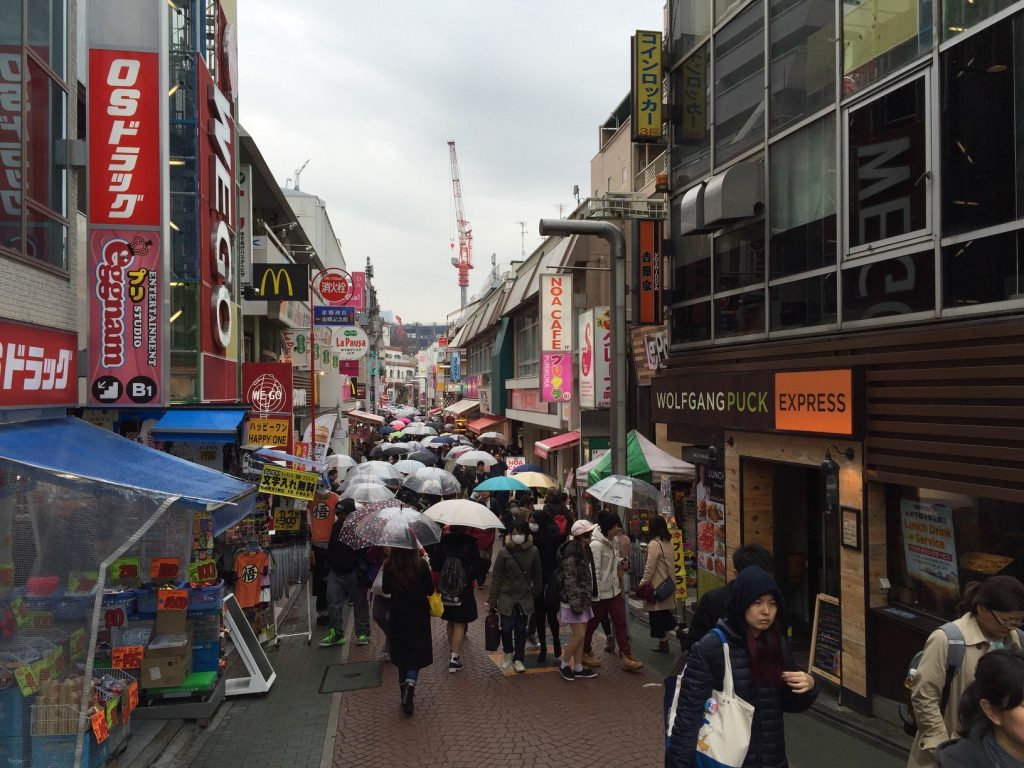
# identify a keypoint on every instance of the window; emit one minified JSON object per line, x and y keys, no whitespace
{"x":940,"y":542}
{"x":691,"y":118}
{"x":739,"y":257}
{"x":983,"y":129}
{"x":803,"y":61}
{"x":689,"y":22}
{"x":691,"y":275}
{"x":739,"y":314}
{"x":958,"y":15}
{"x":691,"y":322}
{"x":46,"y":32}
{"x":887,"y":166}
{"x":899,"y":286}
{"x":527,"y":354}
{"x":739,"y":84}
{"x":880,"y":36}
{"x":803,"y":303}
{"x":983,"y":271}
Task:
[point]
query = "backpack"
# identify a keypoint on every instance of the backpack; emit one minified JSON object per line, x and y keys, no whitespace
{"x":954,"y":659}
{"x":451,"y":581}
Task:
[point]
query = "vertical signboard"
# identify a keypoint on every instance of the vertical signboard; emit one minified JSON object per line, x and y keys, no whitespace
{"x":587,"y":379}
{"x":455,"y":370}
{"x":127,"y":265}
{"x":245,"y":225}
{"x":647,"y":271}
{"x":647,"y":86}
{"x":555,"y":313}
{"x":556,"y":377}
{"x":603,"y":356}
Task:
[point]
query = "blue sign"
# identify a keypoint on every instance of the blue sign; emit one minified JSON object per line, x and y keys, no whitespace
{"x":334,"y":315}
{"x":455,"y":372}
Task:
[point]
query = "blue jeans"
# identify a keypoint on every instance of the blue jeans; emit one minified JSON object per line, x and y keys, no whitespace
{"x":408,"y":675}
{"x":513,"y":634}
{"x":341,"y":588}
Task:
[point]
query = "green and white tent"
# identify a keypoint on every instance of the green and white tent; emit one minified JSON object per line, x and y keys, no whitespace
{"x":644,"y":460}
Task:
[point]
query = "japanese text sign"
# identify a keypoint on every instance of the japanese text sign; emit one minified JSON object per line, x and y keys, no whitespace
{"x":556,"y":377}
{"x":586,"y":342}
{"x":647,"y":274}
{"x":556,"y":313}
{"x":288,"y":482}
{"x":38,"y":366}
{"x":164,"y":568}
{"x":268,"y":432}
{"x":172,"y":600}
{"x":647,"y":86}
{"x":127,"y":656}
{"x":287,"y":519}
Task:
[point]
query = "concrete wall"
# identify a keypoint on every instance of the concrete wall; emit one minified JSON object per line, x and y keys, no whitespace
{"x":610,"y":162}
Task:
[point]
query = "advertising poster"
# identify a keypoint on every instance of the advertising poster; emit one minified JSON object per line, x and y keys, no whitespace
{"x":586,"y":378}
{"x":603,"y":356}
{"x":711,"y":557}
{"x":556,"y":377}
{"x":929,"y":548}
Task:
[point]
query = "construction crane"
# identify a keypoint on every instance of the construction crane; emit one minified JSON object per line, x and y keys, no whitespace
{"x":464,"y":261}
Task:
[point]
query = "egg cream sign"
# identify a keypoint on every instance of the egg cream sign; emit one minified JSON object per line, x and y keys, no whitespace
{"x":350,"y":342}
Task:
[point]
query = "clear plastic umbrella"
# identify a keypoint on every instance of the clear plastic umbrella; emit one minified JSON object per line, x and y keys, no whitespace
{"x":340,"y":461}
{"x":432,"y":480}
{"x":401,"y":527}
{"x":623,"y":491}
{"x":420,"y":429}
{"x":381,"y":471}
{"x":470,"y":459}
{"x":367,"y":491}
{"x":463,"y":512}
{"x":408,"y":466}
{"x":491,"y":438}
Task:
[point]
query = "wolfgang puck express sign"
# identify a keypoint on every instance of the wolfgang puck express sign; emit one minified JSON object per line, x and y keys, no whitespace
{"x":789,"y":401}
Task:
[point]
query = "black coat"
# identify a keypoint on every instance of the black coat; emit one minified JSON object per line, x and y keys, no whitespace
{"x":409,"y":620}
{"x":969,"y":752}
{"x":710,"y":608}
{"x":705,"y":669}
{"x":464,"y":547}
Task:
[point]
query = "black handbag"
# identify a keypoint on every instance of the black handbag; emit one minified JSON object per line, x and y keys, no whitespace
{"x":664,"y":590}
{"x":492,"y":632}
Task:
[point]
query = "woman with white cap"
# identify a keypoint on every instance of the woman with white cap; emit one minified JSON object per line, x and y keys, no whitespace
{"x":578,"y":590}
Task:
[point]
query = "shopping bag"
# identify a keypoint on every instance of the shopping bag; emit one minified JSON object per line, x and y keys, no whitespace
{"x":724,"y":736}
{"x":492,"y":632}
{"x":436,"y":606}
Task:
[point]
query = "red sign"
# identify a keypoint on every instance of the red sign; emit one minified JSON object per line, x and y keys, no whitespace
{"x":348,"y":367}
{"x":358,"y":299}
{"x":127,"y":657}
{"x":38,"y":366}
{"x":334,"y":286}
{"x":125,"y":358}
{"x":99,"y":726}
{"x":124,"y":138}
{"x":164,"y":568}
{"x":268,"y":386}
{"x":648,"y":278}
{"x":528,"y":400}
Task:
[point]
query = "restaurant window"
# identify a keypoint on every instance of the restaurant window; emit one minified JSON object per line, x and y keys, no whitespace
{"x":527,"y":354}
{"x":802,"y":73}
{"x":739,"y":84}
{"x":689,"y":22}
{"x":887,"y":158}
{"x":939,"y":542}
{"x":739,"y":257}
{"x":691,"y":322}
{"x":983,"y":129}
{"x":691,"y":267}
{"x":803,"y":303}
{"x":739,"y":314}
{"x":958,"y":15}
{"x":880,"y":36}
{"x":802,"y":173}
{"x":691,"y":118}
{"x":983,"y":271}
{"x":903,"y":285}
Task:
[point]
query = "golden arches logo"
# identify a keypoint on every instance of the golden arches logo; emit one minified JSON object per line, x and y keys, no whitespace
{"x":277,"y":276}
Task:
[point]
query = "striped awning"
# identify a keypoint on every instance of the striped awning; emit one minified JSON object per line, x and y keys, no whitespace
{"x":544,"y":448}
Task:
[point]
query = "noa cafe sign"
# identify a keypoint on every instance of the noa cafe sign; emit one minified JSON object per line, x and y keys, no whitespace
{"x":350,"y":342}
{"x":556,"y":318}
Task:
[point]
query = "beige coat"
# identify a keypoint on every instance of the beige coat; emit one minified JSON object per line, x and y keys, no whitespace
{"x":932,"y":727}
{"x":657,"y":569}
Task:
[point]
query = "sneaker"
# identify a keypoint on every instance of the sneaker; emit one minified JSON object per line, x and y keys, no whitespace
{"x":362,"y":640}
{"x":590,"y":661}
{"x":332,"y":638}
{"x":567,"y":674}
{"x":506,"y":662}
{"x":518,"y":666}
{"x":585,"y":673}
{"x":454,"y":665}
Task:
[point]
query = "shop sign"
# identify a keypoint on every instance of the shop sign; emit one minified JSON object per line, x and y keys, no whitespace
{"x":334,"y":315}
{"x":421,"y":364}
{"x":585,"y":334}
{"x":484,"y":396}
{"x":814,"y":401}
{"x":268,"y":387}
{"x":99,"y":417}
{"x":656,"y":348}
{"x":267,"y":432}
{"x":738,"y":401}
{"x":351,"y":343}
{"x":358,"y":298}
{"x":293,"y":483}
{"x":603,"y":356}
{"x":678,"y":561}
{"x":287,"y":519}
{"x":245,"y":223}
{"x":333,"y":286}
{"x":528,"y":400}
{"x":38,"y":366}
{"x":647,"y":278}
{"x":556,"y":377}
{"x":512,"y":462}
{"x":710,"y":497}
{"x":556,"y":313}
{"x":929,"y":548}
{"x":455,"y":366}
{"x":473,"y":387}
{"x":294,"y":314}
{"x":325,"y":424}
{"x":647,"y":86}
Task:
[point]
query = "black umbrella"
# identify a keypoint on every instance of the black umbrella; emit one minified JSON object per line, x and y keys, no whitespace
{"x":427,"y":457}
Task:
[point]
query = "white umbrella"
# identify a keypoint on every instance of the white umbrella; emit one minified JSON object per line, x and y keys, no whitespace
{"x":491,"y":438}
{"x":463,"y":512}
{"x":432,"y":480}
{"x":374,"y":470}
{"x":470,"y":459}
{"x":419,"y":429}
{"x":623,"y":491}
{"x":340,"y":461}
{"x":367,"y":492}
{"x":307,"y":464}
{"x":408,"y":466}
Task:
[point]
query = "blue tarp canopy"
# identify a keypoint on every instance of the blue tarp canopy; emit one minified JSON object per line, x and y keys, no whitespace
{"x":70,"y":447}
{"x":212,"y":426}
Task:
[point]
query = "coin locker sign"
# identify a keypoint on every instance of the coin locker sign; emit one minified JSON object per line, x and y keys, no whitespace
{"x":288,"y":482}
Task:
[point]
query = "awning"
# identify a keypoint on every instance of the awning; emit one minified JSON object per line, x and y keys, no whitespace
{"x":202,"y":426}
{"x":483,"y":424}
{"x":369,"y":418}
{"x":543,"y":448}
{"x":74,"y":449}
{"x":461,"y":407}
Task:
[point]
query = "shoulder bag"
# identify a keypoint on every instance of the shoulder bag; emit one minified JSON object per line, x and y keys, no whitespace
{"x":724,"y":735}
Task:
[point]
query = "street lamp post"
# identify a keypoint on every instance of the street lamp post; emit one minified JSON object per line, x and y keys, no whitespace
{"x":617,"y":245}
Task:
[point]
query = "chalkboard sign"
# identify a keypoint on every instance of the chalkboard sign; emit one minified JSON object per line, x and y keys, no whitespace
{"x":827,"y":639}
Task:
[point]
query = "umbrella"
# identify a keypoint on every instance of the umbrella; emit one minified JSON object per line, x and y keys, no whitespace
{"x":398,"y":435}
{"x":380,"y":471}
{"x":367,"y":491}
{"x":535,"y":479}
{"x":624,"y":491}
{"x":385,"y":430}
{"x":492,"y":438}
{"x":426,"y":457}
{"x":463,"y":512}
{"x":307,"y":464}
{"x":408,"y":466}
{"x":398,"y":423}
{"x":470,"y":459}
{"x":348,"y":530}
{"x":432,"y":480}
{"x":398,"y":449}
{"x":405,"y":420}
{"x":401,"y":527}
{"x":340,"y":461}
{"x":432,"y":441}
{"x":420,"y":429}
{"x":501,"y":483}
{"x":527,"y":468}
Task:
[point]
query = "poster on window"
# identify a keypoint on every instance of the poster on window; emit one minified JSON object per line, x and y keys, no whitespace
{"x":929,"y":548}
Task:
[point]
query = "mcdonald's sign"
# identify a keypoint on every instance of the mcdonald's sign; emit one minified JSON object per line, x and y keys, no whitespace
{"x":281,"y":282}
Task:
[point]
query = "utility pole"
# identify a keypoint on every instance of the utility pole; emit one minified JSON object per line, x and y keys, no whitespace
{"x":522,"y":237}
{"x":374,"y":332}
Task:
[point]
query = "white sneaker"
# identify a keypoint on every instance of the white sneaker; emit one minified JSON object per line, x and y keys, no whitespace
{"x":518,"y":666}
{"x":506,"y":662}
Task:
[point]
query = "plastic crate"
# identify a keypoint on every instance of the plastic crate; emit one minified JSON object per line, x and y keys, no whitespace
{"x":13,"y":713}
{"x":205,"y":657}
{"x":206,"y":598}
{"x":124,"y":600}
{"x":205,"y":626}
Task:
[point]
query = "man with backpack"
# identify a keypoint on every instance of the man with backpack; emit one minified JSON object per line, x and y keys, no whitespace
{"x":456,"y":560}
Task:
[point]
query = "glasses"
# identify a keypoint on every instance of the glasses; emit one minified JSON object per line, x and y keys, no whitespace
{"x":1004,"y":622}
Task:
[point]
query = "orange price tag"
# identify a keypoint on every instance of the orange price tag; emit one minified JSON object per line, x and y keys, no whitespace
{"x":172,"y":600}
{"x":99,"y":726}
{"x":204,"y":571}
{"x":127,"y":657}
{"x":133,"y":695}
{"x":164,"y":568}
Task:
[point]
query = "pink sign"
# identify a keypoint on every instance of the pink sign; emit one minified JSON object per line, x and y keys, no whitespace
{"x":528,"y":400}
{"x":358,"y":298}
{"x":556,"y":377}
{"x":124,"y":318}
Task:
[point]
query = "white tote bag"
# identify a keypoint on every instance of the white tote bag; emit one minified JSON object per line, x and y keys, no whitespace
{"x":724,"y":736}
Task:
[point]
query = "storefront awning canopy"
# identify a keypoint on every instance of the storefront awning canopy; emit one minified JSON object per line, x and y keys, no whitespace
{"x":71,"y":448}
{"x":461,"y":407}
{"x":369,"y":418}
{"x":199,"y":426}
{"x":478,"y":426}
{"x":544,"y":448}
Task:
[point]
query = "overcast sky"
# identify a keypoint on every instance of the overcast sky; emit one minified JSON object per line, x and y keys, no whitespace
{"x":371,"y":92}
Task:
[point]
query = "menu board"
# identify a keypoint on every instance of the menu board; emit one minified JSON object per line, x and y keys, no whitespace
{"x":827,"y":639}
{"x":710,"y":494}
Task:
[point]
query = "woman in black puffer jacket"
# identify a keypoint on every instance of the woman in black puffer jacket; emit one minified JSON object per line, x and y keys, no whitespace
{"x":763,"y":670}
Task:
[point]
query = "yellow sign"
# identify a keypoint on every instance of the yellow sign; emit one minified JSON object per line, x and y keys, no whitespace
{"x":268,"y":432}
{"x":647,"y":86}
{"x":678,"y":562}
{"x":287,"y":519}
{"x":288,"y":482}
{"x":277,"y":276}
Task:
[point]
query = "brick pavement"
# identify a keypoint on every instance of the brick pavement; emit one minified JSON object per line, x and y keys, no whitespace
{"x":480,"y":717}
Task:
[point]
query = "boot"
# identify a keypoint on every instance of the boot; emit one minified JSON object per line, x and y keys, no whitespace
{"x":402,"y":687}
{"x":557,"y":648}
{"x":661,"y":647}
{"x":408,"y":694}
{"x":629,"y":664}
{"x":589,"y":661}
